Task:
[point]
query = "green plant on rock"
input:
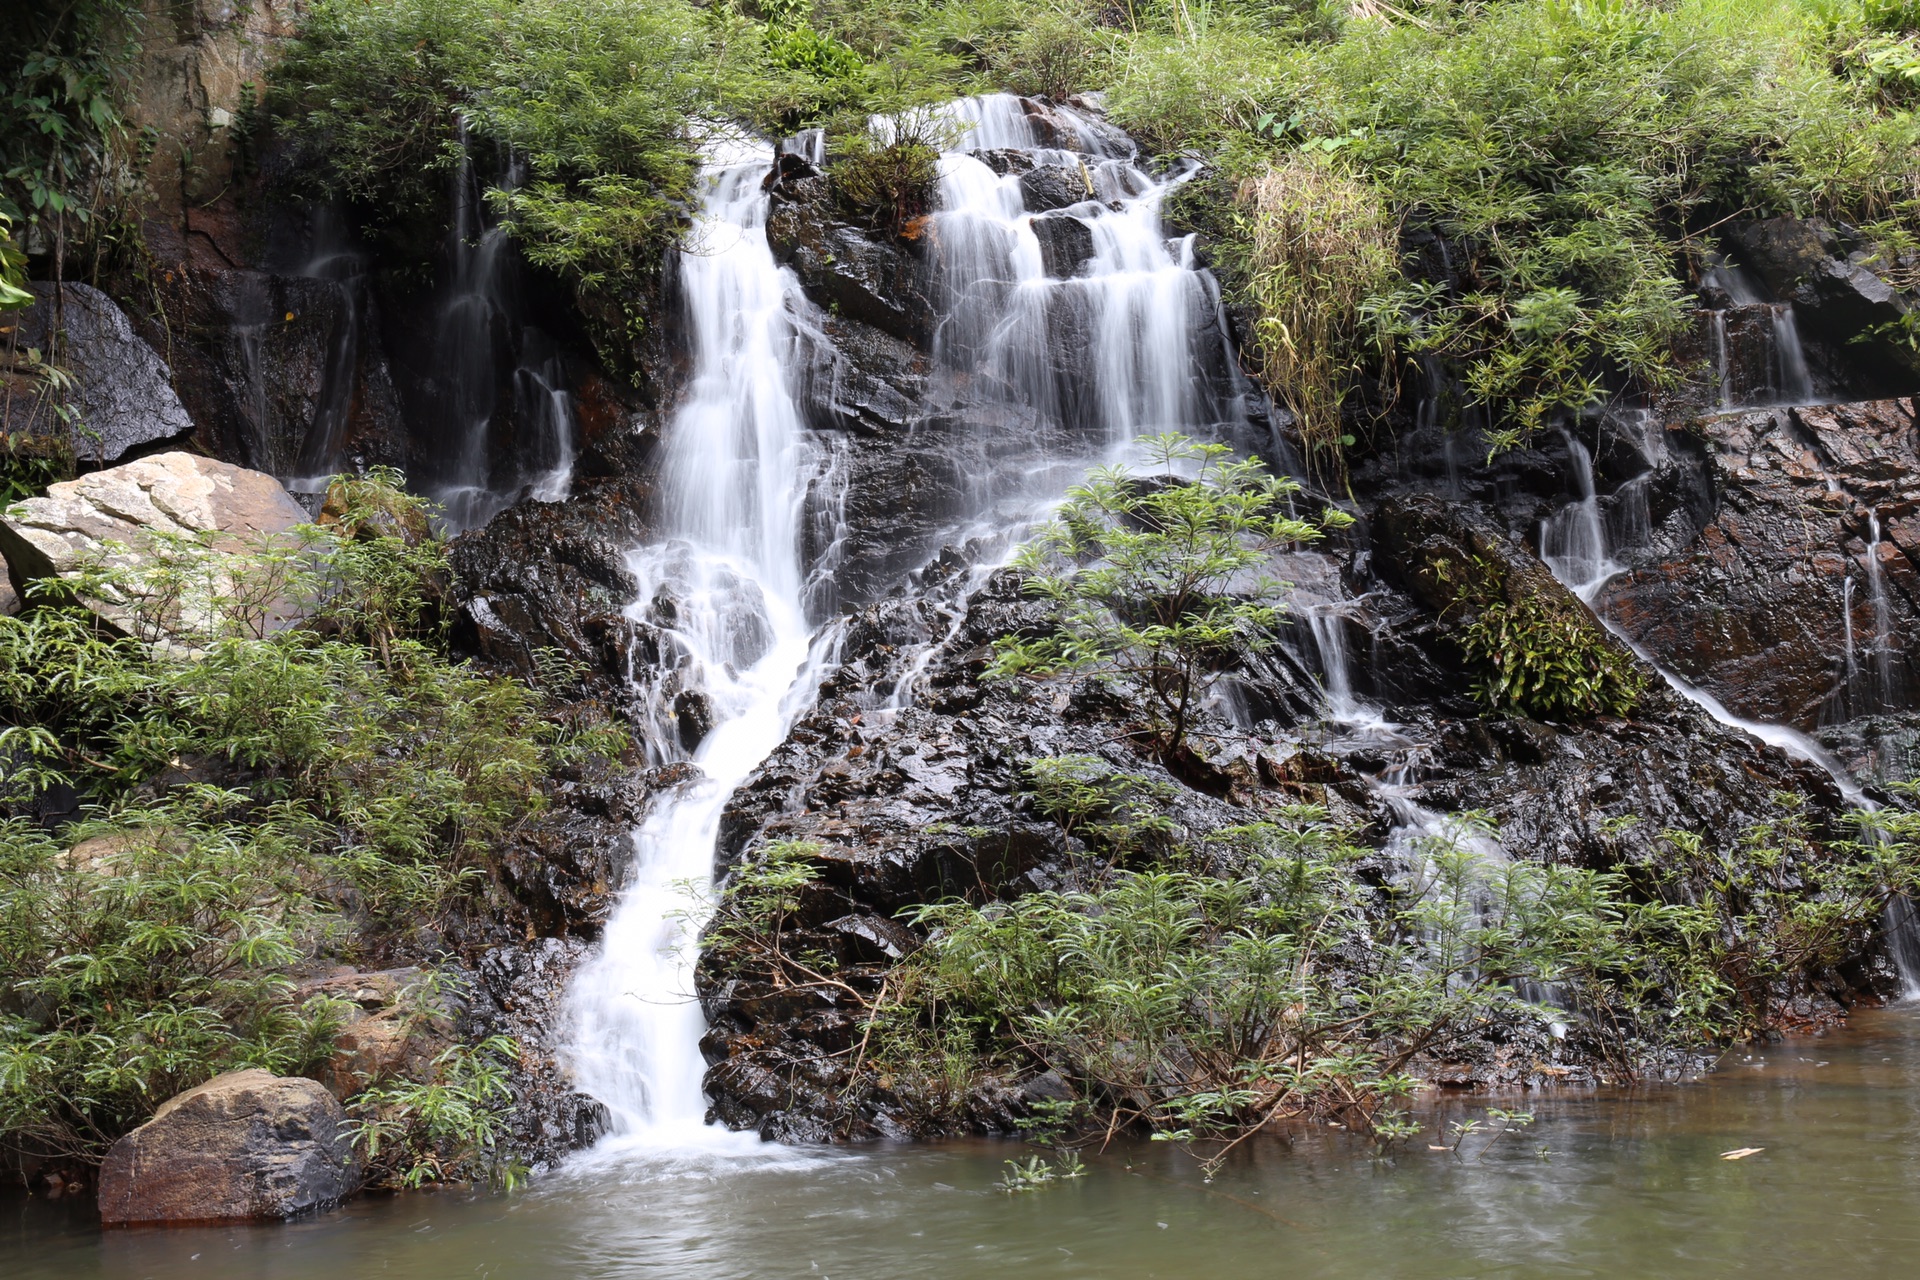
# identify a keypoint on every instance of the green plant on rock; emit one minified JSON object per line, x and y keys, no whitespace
{"x":1540,"y":654}
{"x":145,"y":951}
{"x":1158,"y":580}
{"x":450,"y":1127}
{"x":365,"y":781}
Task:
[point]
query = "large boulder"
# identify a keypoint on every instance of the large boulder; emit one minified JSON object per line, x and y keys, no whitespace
{"x":122,"y":390}
{"x":130,"y":514}
{"x":247,"y":1144}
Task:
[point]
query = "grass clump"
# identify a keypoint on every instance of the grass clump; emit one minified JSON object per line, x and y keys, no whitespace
{"x":1269,"y":971}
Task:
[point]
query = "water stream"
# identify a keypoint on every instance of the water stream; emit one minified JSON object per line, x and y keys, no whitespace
{"x":725,"y":588}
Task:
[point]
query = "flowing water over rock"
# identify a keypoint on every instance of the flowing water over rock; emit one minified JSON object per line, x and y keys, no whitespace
{"x":755,"y":506}
{"x":723,"y":590}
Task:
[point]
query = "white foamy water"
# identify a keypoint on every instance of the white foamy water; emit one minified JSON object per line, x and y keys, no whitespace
{"x":724,"y":589}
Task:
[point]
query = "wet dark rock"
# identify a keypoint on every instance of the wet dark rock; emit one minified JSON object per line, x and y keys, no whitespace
{"x":122,"y":390}
{"x":1066,"y":245}
{"x":519,"y":990}
{"x":1750,"y":598}
{"x":1047,"y":187}
{"x":880,"y":281}
{"x":282,"y":370}
{"x":247,"y":1144}
{"x":1838,"y":299}
{"x":550,"y":579}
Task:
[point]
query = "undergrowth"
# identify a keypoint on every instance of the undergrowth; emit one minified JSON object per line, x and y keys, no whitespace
{"x":279,"y":768}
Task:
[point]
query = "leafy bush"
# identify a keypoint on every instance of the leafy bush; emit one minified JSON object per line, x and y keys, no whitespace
{"x":447,"y":1128}
{"x":1573,"y":156}
{"x":1154,"y":579}
{"x":144,"y":952}
{"x":1548,"y":662}
{"x":1267,"y":973}
{"x":1320,"y":249}
{"x":370,"y":778}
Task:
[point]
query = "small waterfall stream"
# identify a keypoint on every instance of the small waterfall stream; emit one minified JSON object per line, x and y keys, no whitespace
{"x":725,"y":588}
{"x":1574,"y":546}
{"x":484,"y":346}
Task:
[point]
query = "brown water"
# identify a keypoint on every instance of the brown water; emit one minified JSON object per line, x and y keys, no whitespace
{"x":1625,"y":1184}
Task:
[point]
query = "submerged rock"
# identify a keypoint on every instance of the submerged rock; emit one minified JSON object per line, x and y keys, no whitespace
{"x":244,"y":1145}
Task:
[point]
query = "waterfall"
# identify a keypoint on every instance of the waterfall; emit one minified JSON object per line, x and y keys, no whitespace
{"x":1795,"y":384}
{"x":483,"y":344}
{"x":746,"y":488}
{"x":1585,"y":534}
{"x":1723,"y":373}
{"x":1882,"y":615}
{"x":724,"y":586}
{"x":1573,"y":540}
{"x":1085,"y":317}
{"x":334,"y":259}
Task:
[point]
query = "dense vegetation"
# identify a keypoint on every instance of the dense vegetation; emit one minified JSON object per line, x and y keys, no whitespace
{"x":1523,"y":191}
{"x":257,"y":801}
{"x":1202,"y":984}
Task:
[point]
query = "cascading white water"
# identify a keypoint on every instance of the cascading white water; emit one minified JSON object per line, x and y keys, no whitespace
{"x":480,"y":334}
{"x":1104,"y":335}
{"x":1573,"y":541}
{"x":1882,"y":615}
{"x":1795,"y":383}
{"x":724,"y":588}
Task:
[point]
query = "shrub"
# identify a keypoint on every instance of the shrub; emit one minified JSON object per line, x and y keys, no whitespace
{"x":1548,"y":662}
{"x":1155,"y":579}
{"x":1321,"y":248}
{"x":372,"y":778}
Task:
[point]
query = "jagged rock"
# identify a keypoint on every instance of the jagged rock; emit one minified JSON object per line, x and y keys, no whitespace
{"x":122,"y":390}
{"x":550,"y":579}
{"x":247,"y":1144}
{"x":878,"y":281}
{"x":1065,"y":245}
{"x":1750,"y":597}
{"x":174,"y":494}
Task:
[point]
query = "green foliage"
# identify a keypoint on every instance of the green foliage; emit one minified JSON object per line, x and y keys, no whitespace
{"x":447,"y":1128}
{"x":1575,"y":156}
{"x":378,"y":776}
{"x":13,"y":270}
{"x":1158,"y":579}
{"x":1547,"y":660}
{"x":146,"y":957}
{"x":29,"y":463}
{"x":1320,"y":249}
{"x":889,"y":184}
{"x":69,"y":162}
{"x":1267,"y":973}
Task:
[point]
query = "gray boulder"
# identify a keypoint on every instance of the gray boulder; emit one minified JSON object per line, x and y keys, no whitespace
{"x":121,"y":388}
{"x":244,"y":1145}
